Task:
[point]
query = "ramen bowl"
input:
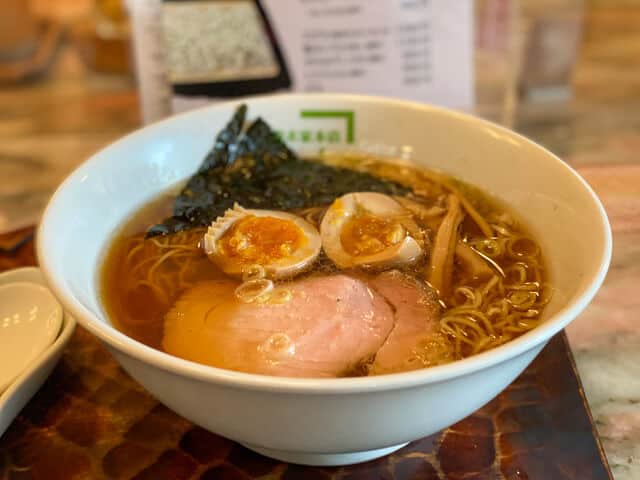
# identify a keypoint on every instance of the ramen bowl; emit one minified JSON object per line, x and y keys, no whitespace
{"x":343,"y":420}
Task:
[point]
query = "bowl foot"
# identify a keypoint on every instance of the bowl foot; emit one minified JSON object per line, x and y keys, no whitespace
{"x":324,"y":459}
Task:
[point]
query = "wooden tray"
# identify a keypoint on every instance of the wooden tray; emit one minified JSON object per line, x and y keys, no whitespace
{"x":91,"y":421}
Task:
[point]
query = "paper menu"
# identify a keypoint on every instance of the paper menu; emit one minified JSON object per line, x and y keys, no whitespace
{"x":415,"y":49}
{"x":420,"y":50}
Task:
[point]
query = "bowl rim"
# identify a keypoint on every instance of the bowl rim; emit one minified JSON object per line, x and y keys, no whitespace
{"x":248,"y":381}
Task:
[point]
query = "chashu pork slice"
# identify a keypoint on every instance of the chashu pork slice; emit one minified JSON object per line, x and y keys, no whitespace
{"x":317,"y":327}
{"x":415,"y":341}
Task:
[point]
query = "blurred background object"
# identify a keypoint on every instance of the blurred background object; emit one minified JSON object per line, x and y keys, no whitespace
{"x":18,"y":30}
{"x":27,"y":43}
{"x":63,"y":11}
{"x":32,"y":31}
{"x":552,"y":32}
{"x":497,"y":59}
{"x":526,"y":51}
{"x":103,"y":37}
{"x":151,"y":74}
{"x":54,"y":117}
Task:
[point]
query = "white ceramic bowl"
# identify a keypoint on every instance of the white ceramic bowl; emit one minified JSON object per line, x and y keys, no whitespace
{"x":320,"y":421}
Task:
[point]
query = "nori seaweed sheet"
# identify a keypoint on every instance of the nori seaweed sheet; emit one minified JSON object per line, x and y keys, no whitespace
{"x":257,"y":170}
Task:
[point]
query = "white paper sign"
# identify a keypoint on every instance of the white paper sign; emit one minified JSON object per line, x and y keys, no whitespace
{"x":415,"y":49}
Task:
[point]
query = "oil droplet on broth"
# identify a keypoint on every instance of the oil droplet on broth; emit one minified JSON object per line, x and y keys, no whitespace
{"x":277,"y":346}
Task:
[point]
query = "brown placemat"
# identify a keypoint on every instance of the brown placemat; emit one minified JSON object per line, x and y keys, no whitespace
{"x":91,"y":420}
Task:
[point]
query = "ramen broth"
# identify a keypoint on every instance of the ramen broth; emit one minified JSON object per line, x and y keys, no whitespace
{"x":479,"y":278}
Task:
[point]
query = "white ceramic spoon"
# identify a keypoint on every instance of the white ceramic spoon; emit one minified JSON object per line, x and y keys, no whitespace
{"x":30,"y":320}
{"x":27,"y":383}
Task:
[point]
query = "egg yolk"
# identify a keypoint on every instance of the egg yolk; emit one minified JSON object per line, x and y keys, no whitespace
{"x":260,"y":240}
{"x":367,"y":234}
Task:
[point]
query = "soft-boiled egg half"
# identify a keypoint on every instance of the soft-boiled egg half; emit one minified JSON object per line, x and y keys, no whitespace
{"x":368,"y":229}
{"x":281,"y":243}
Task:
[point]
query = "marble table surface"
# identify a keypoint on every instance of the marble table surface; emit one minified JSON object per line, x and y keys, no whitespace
{"x":49,"y":126}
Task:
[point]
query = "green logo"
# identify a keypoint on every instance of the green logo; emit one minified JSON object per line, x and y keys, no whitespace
{"x":326,"y":130}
